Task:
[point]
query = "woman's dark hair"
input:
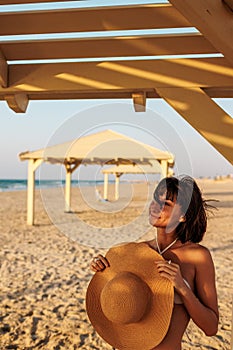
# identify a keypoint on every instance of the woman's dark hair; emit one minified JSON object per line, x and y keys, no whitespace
{"x":188,"y":195}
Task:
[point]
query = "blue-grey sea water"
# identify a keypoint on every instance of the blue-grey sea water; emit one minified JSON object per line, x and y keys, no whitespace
{"x":21,"y":184}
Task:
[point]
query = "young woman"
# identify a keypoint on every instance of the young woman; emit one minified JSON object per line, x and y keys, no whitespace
{"x":178,"y":212}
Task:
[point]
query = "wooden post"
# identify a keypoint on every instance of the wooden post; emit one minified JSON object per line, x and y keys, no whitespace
{"x":117,"y":182}
{"x":106,"y":186}
{"x":68,"y":189}
{"x":69,"y":170}
{"x":139,"y":101}
{"x":32,"y":166}
{"x":164,"y":168}
{"x":17,"y":102}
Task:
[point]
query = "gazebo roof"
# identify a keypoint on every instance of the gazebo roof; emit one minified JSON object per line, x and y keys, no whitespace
{"x":100,"y":148}
{"x":117,"y":52}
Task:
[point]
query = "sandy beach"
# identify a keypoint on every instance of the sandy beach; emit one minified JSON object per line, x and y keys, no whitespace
{"x":45,"y":271}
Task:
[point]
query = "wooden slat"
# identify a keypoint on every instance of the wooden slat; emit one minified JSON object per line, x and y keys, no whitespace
{"x":84,"y":95}
{"x":92,"y":19}
{"x":216,"y":92}
{"x":107,"y":94}
{"x":213,"y":20}
{"x":118,"y":76}
{"x":219,"y":92}
{"x":3,"y":70}
{"x":210,"y":120}
{"x":114,"y":47}
{"x":14,"y":2}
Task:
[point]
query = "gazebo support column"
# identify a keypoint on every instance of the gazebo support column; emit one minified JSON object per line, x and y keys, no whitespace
{"x":164,"y":168}
{"x":117,"y":183}
{"x":68,"y":191}
{"x":69,"y":171}
{"x":105,"y":186}
{"x":32,"y":166}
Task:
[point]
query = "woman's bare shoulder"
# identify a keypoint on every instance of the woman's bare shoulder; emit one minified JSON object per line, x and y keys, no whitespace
{"x":199,"y":252}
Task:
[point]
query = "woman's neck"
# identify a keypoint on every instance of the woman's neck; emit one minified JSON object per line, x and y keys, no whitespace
{"x":163,"y":240}
{"x":164,"y":236}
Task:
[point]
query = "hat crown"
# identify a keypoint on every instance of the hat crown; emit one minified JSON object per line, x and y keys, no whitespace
{"x":125,"y":298}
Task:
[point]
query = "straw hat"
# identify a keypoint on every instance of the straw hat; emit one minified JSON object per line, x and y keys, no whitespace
{"x":129,"y":303}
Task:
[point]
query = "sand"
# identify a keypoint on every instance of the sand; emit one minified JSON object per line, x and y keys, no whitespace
{"x":45,"y":271}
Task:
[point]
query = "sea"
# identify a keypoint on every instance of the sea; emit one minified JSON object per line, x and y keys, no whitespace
{"x":21,"y":184}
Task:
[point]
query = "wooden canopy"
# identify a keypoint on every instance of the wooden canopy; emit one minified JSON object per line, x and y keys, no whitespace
{"x":116,"y":61}
{"x":104,"y":147}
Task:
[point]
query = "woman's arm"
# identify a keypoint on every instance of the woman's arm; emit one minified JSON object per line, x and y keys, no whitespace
{"x":201,"y":306}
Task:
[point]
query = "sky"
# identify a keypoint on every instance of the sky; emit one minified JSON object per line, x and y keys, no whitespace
{"x":51,"y":122}
{"x":47,"y":123}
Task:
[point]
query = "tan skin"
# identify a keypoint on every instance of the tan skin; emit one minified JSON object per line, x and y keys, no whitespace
{"x":190,"y":261}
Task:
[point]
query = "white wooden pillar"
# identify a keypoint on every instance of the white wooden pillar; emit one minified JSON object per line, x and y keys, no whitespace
{"x":164,"y":168}
{"x":117,"y":182}
{"x":106,"y":186}
{"x":69,"y":170}
{"x":32,"y":166}
{"x":68,"y":189}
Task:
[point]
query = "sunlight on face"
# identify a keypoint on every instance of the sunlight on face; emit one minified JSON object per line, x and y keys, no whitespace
{"x":164,"y":213}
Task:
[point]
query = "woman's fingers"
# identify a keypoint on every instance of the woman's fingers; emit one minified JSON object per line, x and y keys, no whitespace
{"x":167,"y":269}
{"x":99,"y":263}
{"x":171,"y":271}
{"x":168,"y":266}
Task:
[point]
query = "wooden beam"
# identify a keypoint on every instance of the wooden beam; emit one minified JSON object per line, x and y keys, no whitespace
{"x":122,"y":75}
{"x":212,"y":19}
{"x":178,"y":44}
{"x":102,"y":18}
{"x":204,"y":115}
{"x":219,"y":92}
{"x":114,"y":79}
{"x":139,"y":101}
{"x":3,"y":71}
{"x":17,"y":102}
{"x":213,"y":92}
{"x":14,"y":2}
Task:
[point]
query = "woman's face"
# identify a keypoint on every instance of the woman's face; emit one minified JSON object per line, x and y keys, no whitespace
{"x":164,"y":213}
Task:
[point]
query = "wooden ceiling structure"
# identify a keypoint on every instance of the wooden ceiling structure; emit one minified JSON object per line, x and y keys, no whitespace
{"x":132,"y":65}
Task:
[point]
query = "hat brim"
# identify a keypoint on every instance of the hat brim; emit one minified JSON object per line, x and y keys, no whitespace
{"x":137,"y":258}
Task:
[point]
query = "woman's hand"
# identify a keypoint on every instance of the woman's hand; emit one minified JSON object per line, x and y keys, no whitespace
{"x":172,"y":272}
{"x":99,"y":263}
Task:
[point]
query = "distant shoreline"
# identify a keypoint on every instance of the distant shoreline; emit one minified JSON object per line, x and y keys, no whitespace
{"x":12,"y":185}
